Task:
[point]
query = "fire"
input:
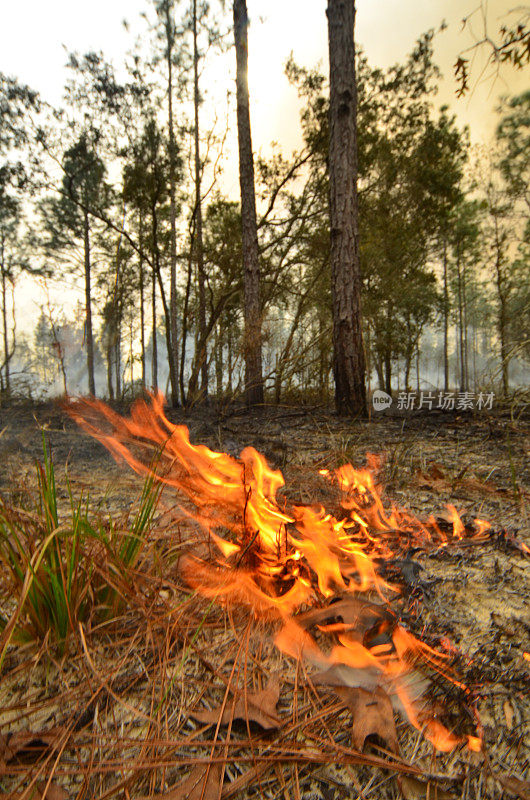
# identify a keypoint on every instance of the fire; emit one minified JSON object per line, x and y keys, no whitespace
{"x":276,"y":558}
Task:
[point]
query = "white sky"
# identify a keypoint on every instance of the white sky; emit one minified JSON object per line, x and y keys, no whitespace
{"x":35,"y":36}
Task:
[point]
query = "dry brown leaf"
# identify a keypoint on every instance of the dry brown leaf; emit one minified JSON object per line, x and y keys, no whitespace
{"x":358,"y":614}
{"x":372,"y":715}
{"x":414,"y":789}
{"x":259,"y":707}
{"x":435,"y":478}
{"x":342,"y":675}
{"x":201,"y":784}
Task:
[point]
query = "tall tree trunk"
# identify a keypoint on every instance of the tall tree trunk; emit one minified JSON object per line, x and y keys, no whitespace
{"x":251,"y":272}
{"x":142,"y":297}
{"x":185,"y":316}
{"x":7,"y":355}
{"x":502,"y":316}
{"x":348,"y":352}
{"x":464,"y":319}
{"x":202,"y":355}
{"x":88,"y":307}
{"x":110,"y":382}
{"x":173,"y":326}
{"x":165,"y":306}
{"x":461,"y":324}
{"x":446,"y":317}
{"x":408,"y":359}
{"x":154,"y":354}
{"x":117,"y":356}
{"x":156,"y":268}
{"x":378,"y":364}
{"x":229,"y":364}
{"x":131,"y":353}
{"x":388,"y":372}
{"x":219,"y":361}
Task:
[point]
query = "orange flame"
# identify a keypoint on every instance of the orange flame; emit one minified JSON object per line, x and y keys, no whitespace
{"x":274,"y":558}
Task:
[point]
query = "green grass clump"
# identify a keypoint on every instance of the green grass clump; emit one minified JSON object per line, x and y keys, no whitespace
{"x":57,"y":570}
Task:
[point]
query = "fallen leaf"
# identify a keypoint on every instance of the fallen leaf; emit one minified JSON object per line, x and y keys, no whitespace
{"x":436,"y":479}
{"x":372,"y":715}
{"x":342,"y":675}
{"x":414,"y":789}
{"x":259,"y":707}
{"x":201,"y":784}
{"x":360,"y":616}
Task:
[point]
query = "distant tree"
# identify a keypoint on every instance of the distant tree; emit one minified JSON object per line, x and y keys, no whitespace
{"x":464,"y":242}
{"x":68,"y":220}
{"x":348,"y":349}
{"x":500,"y":238}
{"x":13,"y":259}
{"x":146,"y":189}
{"x":442,"y":155}
{"x":513,"y":138}
{"x":16,"y":104}
{"x":252,"y":344}
{"x":165,"y":10}
{"x":223,"y":257}
{"x":205,"y":33}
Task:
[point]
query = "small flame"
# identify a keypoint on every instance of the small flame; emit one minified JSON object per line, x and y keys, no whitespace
{"x":276,"y":558}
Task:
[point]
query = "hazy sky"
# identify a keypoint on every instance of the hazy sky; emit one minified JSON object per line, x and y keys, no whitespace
{"x":34,"y":35}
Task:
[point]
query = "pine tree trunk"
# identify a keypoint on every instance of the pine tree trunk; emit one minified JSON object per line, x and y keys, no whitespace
{"x":251,"y":272}
{"x":348,"y":352}
{"x":202,"y":355}
{"x":172,"y":351}
{"x":446,"y":318}
{"x":461,"y":325}
{"x":154,"y":359}
{"x":131,"y":354}
{"x":117,"y":359}
{"x":88,"y":308}
{"x":229,"y":365}
{"x":110,"y":383}
{"x":464,"y":319}
{"x":379,"y":371}
{"x":407,"y":371}
{"x":502,"y":314}
{"x":7,"y":356}
{"x":142,"y":299}
{"x":388,"y":373}
{"x":219,"y":361}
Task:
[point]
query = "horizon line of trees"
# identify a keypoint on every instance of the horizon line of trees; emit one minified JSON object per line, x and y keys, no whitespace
{"x":119,"y":190}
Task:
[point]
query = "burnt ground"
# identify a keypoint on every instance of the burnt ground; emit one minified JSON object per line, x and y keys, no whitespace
{"x":475,"y":594}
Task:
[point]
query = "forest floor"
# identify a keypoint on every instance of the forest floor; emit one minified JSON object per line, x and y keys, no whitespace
{"x":119,"y":715}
